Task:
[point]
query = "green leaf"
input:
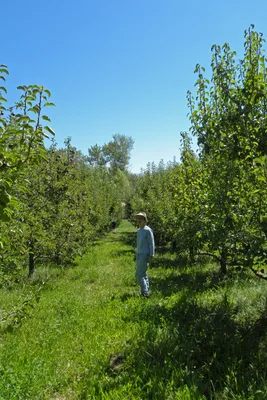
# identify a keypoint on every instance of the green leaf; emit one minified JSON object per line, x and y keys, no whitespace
{"x":49,"y":105}
{"x":46,"y":118}
{"x":47,"y":92}
{"x":3,"y":89}
{"x":23,"y":118}
{"x":34,"y":109}
{"x":29,"y":98}
{"x":50,"y":130}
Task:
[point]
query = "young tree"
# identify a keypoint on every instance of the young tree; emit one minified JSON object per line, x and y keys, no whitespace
{"x":21,"y":142}
{"x":228,"y":117}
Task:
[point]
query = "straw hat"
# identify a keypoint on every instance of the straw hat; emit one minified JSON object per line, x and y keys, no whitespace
{"x":141,"y":214}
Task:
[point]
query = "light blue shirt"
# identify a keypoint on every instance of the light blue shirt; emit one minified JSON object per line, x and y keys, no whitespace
{"x":145,"y":241}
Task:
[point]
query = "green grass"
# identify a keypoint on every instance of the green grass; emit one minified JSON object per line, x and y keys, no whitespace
{"x":88,"y":334}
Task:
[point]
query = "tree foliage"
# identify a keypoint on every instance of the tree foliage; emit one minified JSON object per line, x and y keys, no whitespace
{"x":21,"y":139}
{"x":53,"y":204}
{"x":116,"y":153}
{"x":213,"y":203}
{"x":64,"y":205}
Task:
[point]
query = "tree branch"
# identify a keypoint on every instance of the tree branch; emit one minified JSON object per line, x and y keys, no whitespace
{"x":259,"y":274}
{"x":210,"y":255}
{"x":24,"y":304}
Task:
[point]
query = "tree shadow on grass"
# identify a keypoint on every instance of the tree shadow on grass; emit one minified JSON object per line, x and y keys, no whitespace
{"x":128,"y":238}
{"x":175,"y":260}
{"x":193,"y":345}
{"x":126,"y":296}
{"x":121,"y":253}
{"x":199,"y":281}
{"x":163,"y":262}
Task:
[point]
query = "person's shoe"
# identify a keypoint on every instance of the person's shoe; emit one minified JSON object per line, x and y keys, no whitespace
{"x":145,"y":295}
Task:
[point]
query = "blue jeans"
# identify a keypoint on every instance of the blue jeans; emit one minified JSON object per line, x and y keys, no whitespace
{"x":141,"y":275}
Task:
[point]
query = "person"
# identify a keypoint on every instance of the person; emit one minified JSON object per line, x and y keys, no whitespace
{"x":144,"y":252}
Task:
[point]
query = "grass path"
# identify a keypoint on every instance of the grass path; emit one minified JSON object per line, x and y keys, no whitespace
{"x":79,"y":325}
{"x":90,"y":335}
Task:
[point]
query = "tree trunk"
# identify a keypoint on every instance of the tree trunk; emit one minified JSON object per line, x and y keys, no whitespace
{"x":191,"y":255}
{"x":31,"y":262}
{"x":223,"y":263}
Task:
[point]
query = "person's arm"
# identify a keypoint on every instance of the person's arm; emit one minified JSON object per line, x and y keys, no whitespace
{"x":136,"y":249}
{"x":151,"y":243}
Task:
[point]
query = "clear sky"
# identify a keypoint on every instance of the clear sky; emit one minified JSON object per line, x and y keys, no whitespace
{"x":120,"y":66}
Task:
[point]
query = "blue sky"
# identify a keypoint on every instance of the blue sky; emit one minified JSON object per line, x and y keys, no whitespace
{"x":120,"y":66}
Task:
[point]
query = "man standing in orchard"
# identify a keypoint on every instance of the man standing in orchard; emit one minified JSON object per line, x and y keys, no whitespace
{"x":144,"y":252}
